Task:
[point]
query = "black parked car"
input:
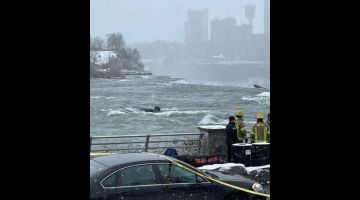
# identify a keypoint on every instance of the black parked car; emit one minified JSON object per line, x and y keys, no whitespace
{"x":145,"y":176}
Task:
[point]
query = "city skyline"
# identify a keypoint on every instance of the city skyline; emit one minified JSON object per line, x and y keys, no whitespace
{"x":163,"y":20}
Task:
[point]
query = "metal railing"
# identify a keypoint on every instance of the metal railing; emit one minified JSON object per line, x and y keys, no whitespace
{"x":143,"y":142}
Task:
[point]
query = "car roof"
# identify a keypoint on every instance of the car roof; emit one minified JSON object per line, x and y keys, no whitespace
{"x":118,"y":159}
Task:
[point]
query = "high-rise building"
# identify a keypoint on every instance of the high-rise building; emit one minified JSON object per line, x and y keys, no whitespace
{"x":267,"y":17}
{"x":250,"y":13}
{"x":222,"y":29}
{"x":267,"y":29}
{"x":196,"y":27}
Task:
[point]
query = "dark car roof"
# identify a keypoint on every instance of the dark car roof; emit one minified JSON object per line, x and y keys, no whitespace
{"x":118,"y":159}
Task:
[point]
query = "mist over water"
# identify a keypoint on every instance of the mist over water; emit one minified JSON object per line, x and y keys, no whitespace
{"x":221,"y":74}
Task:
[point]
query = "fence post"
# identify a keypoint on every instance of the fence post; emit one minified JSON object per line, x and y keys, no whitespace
{"x":90,"y":143}
{"x":199,"y":144}
{"x":147,"y":142}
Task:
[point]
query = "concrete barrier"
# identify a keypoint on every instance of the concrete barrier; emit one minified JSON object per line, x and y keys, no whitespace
{"x":214,"y":140}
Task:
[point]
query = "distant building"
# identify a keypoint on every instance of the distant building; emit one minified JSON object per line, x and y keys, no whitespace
{"x":226,"y":31}
{"x":250,"y":13}
{"x":241,"y":33}
{"x":196,"y":33}
{"x":267,"y":17}
{"x":222,"y":30}
{"x":256,"y":48}
{"x":196,"y":27}
{"x":267,"y":29}
{"x":228,"y":38}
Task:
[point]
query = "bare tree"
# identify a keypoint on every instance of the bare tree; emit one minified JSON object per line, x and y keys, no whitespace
{"x":115,"y":66}
{"x":115,"y":41}
{"x":135,"y":56}
{"x":92,"y":43}
{"x":99,"y":43}
{"x":122,"y":53}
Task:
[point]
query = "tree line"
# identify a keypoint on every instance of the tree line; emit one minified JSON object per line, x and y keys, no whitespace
{"x":125,"y":58}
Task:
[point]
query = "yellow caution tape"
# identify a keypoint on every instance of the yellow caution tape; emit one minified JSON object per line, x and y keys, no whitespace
{"x":215,"y":180}
{"x":100,"y":153}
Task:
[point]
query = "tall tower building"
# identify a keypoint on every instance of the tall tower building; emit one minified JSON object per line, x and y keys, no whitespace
{"x":196,"y":27}
{"x":250,"y":13}
{"x":267,"y":17}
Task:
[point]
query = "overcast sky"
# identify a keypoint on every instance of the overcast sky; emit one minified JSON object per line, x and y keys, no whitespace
{"x":150,"y":20}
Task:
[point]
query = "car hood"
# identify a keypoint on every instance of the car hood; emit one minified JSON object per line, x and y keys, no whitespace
{"x":237,"y":180}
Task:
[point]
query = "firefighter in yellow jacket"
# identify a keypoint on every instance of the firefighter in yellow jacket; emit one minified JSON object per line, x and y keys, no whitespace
{"x":260,"y":130}
{"x":240,"y":127}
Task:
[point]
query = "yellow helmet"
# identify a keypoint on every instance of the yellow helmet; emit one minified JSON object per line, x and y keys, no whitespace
{"x":239,"y":113}
{"x":259,"y":116}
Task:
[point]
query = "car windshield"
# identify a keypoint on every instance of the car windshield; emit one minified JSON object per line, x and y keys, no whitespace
{"x":95,"y":167}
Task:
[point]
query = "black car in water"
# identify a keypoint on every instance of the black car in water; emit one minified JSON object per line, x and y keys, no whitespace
{"x":146,"y":176}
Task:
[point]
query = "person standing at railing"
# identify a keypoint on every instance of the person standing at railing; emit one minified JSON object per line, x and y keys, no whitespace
{"x":260,"y":130}
{"x":231,"y":136}
{"x":240,"y":127}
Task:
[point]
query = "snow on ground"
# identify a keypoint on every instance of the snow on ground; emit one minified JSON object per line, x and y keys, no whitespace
{"x":228,"y":166}
{"x":103,"y":56}
{"x":213,"y":127}
{"x":249,"y":169}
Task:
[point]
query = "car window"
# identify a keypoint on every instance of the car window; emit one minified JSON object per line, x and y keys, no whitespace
{"x":137,"y":175}
{"x":131,"y":176}
{"x":109,"y":181}
{"x":174,"y":174}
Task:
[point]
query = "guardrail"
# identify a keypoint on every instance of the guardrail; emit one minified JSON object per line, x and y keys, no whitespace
{"x":143,"y":142}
